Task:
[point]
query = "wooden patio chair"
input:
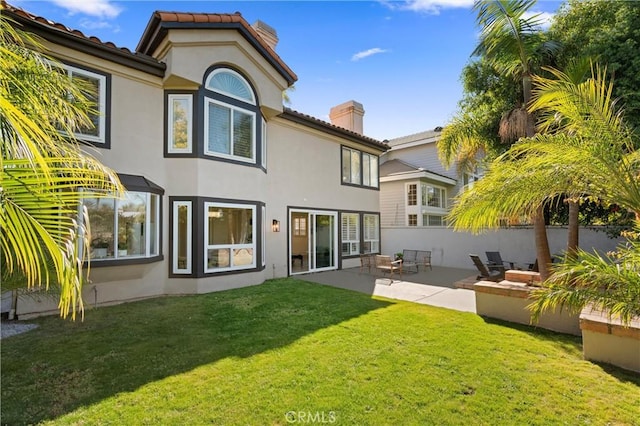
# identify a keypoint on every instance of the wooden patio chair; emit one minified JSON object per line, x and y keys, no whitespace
{"x":486,"y":274}
{"x":384,"y":264}
{"x":366,"y":261}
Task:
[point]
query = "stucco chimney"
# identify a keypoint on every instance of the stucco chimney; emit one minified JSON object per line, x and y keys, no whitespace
{"x":267,"y":33}
{"x":348,"y":115}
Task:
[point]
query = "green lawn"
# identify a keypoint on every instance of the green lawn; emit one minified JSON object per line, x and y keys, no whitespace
{"x":252,"y":355}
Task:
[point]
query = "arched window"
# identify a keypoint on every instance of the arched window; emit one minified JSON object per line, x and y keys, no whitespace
{"x":230,"y":83}
{"x":231,"y":117}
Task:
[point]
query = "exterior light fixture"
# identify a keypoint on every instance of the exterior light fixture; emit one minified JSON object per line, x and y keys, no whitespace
{"x":275,"y":225}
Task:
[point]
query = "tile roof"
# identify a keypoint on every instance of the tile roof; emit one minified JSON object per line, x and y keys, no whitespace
{"x":161,"y":21}
{"x":341,"y":131}
{"x":428,"y":136}
{"x":23,"y":17}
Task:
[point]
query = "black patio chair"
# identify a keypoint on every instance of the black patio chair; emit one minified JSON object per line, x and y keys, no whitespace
{"x":485,"y":273}
{"x":495,"y":260}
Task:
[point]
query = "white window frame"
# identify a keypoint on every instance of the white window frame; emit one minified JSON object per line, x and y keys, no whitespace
{"x":354,"y":244}
{"x":264,"y":144}
{"x":407,"y":187}
{"x":409,"y":219}
{"x":373,"y":183}
{"x":101,"y":105}
{"x":264,"y":236}
{"x":426,"y":222}
{"x":375,"y":240}
{"x":223,"y":92}
{"x":170,"y":148}
{"x":230,"y":247}
{"x":252,"y":159}
{"x":147,"y":222}
{"x":189,"y":236}
{"x":424,"y":198}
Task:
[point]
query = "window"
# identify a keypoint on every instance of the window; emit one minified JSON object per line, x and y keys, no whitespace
{"x":179,"y":132}
{"x":433,"y":220}
{"x":433,"y":196}
{"x":412,"y":220}
{"x":350,"y":234}
{"x":229,"y":235}
{"x":229,"y":131}
{"x":350,"y":166}
{"x":371,"y":233}
{"x":469,"y":179}
{"x":359,"y":168}
{"x":300,"y":226}
{"x":94,"y":87}
{"x":264,"y":236}
{"x":233,"y":128}
{"x":182,"y":228}
{"x":412,"y":194}
{"x":369,"y":170}
{"x":124,"y":228}
{"x":264,"y":144}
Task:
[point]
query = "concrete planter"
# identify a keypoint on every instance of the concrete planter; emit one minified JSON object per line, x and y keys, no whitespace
{"x":508,"y":301}
{"x":607,"y":340}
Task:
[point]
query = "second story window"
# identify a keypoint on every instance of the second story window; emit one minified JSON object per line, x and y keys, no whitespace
{"x":94,"y":86}
{"x":412,"y":194}
{"x":231,"y":117}
{"x":359,"y":168}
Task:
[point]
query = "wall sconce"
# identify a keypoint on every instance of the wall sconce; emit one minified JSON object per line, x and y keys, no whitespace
{"x":275,"y":225}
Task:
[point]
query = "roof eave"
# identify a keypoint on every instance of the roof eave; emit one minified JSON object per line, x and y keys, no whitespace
{"x":57,"y":36}
{"x":317,"y":124}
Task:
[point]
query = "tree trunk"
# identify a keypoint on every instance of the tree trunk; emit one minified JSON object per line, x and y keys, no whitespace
{"x":543,"y":254}
{"x":572,"y":234}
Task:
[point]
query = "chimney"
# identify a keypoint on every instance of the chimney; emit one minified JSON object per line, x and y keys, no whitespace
{"x":348,"y":115}
{"x":267,"y":33}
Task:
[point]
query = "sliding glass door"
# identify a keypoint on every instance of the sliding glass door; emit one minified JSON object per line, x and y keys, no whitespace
{"x":313,"y":241}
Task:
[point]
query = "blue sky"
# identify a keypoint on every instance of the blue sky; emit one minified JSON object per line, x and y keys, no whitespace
{"x":400,"y":59}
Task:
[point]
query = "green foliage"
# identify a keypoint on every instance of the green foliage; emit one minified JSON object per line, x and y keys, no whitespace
{"x":43,"y":169}
{"x":609,"y":283}
{"x":608,"y":31}
{"x":250,"y":355}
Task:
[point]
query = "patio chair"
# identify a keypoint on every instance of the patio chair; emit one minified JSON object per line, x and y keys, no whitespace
{"x":384,"y":264}
{"x":486,"y":274}
{"x":494,"y":260}
{"x":366,"y":261}
{"x":423,"y":258}
{"x":409,"y":259}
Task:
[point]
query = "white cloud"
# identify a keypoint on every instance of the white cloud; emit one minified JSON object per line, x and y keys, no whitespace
{"x":98,"y":25}
{"x":98,"y":8}
{"x":427,"y":6}
{"x":543,"y":18}
{"x":365,"y":53}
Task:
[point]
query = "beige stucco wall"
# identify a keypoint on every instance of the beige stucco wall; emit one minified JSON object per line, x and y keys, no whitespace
{"x":509,"y":303}
{"x":303,"y":165}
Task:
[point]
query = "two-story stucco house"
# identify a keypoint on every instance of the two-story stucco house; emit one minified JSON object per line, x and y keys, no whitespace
{"x":226,"y":187}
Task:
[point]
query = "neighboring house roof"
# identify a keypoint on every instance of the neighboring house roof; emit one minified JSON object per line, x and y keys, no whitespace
{"x":426,"y":137}
{"x":161,"y":22}
{"x":393,"y":170}
{"x":65,"y":36}
{"x":318,"y":124}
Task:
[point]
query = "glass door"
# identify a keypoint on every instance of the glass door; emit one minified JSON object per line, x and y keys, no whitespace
{"x":313,"y":241}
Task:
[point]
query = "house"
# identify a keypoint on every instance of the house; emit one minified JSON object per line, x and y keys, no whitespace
{"x":416,"y":193}
{"x":226,"y":187}
{"x":415,"y":188}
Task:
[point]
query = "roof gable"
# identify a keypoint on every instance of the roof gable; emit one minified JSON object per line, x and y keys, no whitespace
{"x":161,"y":22}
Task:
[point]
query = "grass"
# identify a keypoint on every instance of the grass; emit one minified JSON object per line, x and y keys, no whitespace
{"x":252,"y":355}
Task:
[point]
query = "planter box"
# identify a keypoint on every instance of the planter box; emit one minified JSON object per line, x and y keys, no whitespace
{"x":607,"y":340}
{"x":508,"y":301}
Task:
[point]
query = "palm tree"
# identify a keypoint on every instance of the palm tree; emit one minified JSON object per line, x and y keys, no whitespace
{"x":592,"y":153}
{"x":45,"y":173}
{"x":512,"y":43}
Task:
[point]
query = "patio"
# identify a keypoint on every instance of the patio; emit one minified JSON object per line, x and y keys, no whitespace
{"x":443,"y":287}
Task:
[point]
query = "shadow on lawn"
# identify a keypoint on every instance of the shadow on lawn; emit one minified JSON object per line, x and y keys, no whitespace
{"x":570,"y":344}
{"x":63,"y":365}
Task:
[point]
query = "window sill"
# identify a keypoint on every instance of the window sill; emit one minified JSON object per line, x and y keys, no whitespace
{"x":97,"y":263}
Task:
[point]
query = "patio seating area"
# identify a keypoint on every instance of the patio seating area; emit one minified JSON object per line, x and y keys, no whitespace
{"x":440,"y":286}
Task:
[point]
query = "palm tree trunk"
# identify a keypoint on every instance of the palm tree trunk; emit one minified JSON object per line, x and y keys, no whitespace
{"x":543,"y":254}
{"x":572,"y":234}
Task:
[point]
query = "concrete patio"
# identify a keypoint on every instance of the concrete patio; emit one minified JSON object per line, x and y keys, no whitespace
{"x":441,"y":286}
